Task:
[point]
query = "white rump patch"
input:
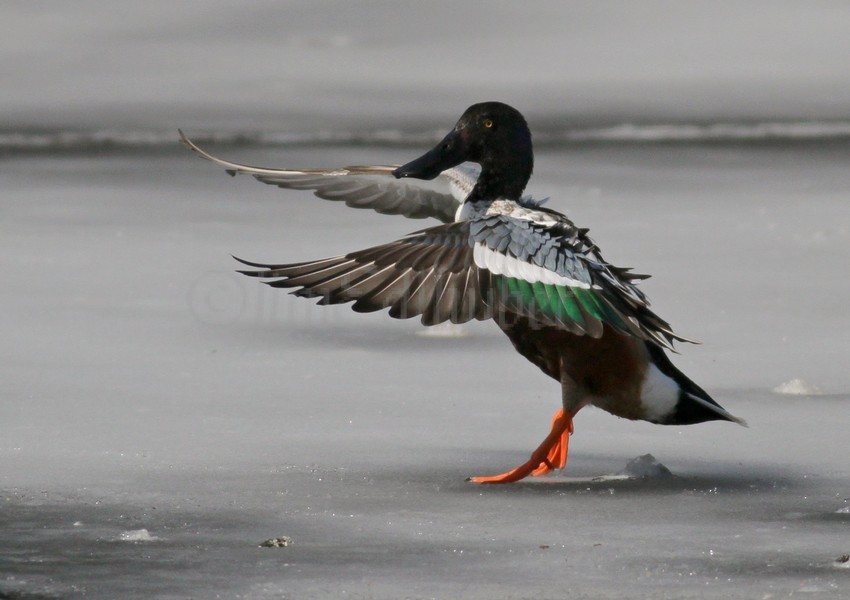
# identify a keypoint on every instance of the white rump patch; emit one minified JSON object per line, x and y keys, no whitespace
{"x":659,"y":394}
{"x":509,"y":266}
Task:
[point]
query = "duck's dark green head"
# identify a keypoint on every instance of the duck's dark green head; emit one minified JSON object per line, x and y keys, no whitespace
{"x":492,"y":134}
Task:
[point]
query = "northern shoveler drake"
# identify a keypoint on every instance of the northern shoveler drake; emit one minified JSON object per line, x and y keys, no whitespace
{"x":500,"y":256}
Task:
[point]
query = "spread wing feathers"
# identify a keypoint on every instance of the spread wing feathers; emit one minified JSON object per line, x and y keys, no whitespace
{"x":483,"y":269}
{"x":372,"y":187}
{"x":429,"y":273}
{"x":555,"y":276}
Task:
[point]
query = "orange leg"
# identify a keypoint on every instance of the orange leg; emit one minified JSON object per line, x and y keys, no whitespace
{"x":550,"y":455}
{"x":557,"y":457}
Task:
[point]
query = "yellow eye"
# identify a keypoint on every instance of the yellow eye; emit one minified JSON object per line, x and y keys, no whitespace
{"x":488,"y":123}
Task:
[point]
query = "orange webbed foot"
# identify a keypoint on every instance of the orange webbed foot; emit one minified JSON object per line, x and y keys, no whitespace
{"x":550,"y":455}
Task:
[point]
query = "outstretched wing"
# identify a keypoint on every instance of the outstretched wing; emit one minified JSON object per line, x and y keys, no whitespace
{"x":480,"y":269}
{"x":430,"y":273}
{"x":372,"y":187}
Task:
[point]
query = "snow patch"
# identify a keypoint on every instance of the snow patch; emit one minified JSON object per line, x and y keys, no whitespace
{"x":137,"y":535}
{"x":797,"y":387}
{"x":444,"y":330}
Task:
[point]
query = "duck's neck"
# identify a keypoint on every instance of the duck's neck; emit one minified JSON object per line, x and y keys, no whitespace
{"x":502,"y":178}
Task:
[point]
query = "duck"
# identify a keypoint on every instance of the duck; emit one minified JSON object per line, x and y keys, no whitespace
{"x":499,"y":255}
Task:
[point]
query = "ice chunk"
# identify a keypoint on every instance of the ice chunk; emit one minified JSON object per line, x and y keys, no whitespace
{"x":646,"y":467}
{"x":278,"y":542}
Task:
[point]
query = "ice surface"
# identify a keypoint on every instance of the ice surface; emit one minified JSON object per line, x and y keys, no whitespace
{"x":146,"y":386}
{"x":328,"y":66}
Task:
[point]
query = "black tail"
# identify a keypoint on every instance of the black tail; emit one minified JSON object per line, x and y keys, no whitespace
{"x":694,"y":404}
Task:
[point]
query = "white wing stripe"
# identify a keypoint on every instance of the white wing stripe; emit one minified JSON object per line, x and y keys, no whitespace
{"x":510,"y":266}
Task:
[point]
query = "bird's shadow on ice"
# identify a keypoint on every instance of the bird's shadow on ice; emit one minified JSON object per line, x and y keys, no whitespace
{"x":595,"y":474}
{"x":721,"y":483}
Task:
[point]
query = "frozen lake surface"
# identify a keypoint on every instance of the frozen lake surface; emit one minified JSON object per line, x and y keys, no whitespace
{"x":331,"y":66}
{"x":162,"y":416}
